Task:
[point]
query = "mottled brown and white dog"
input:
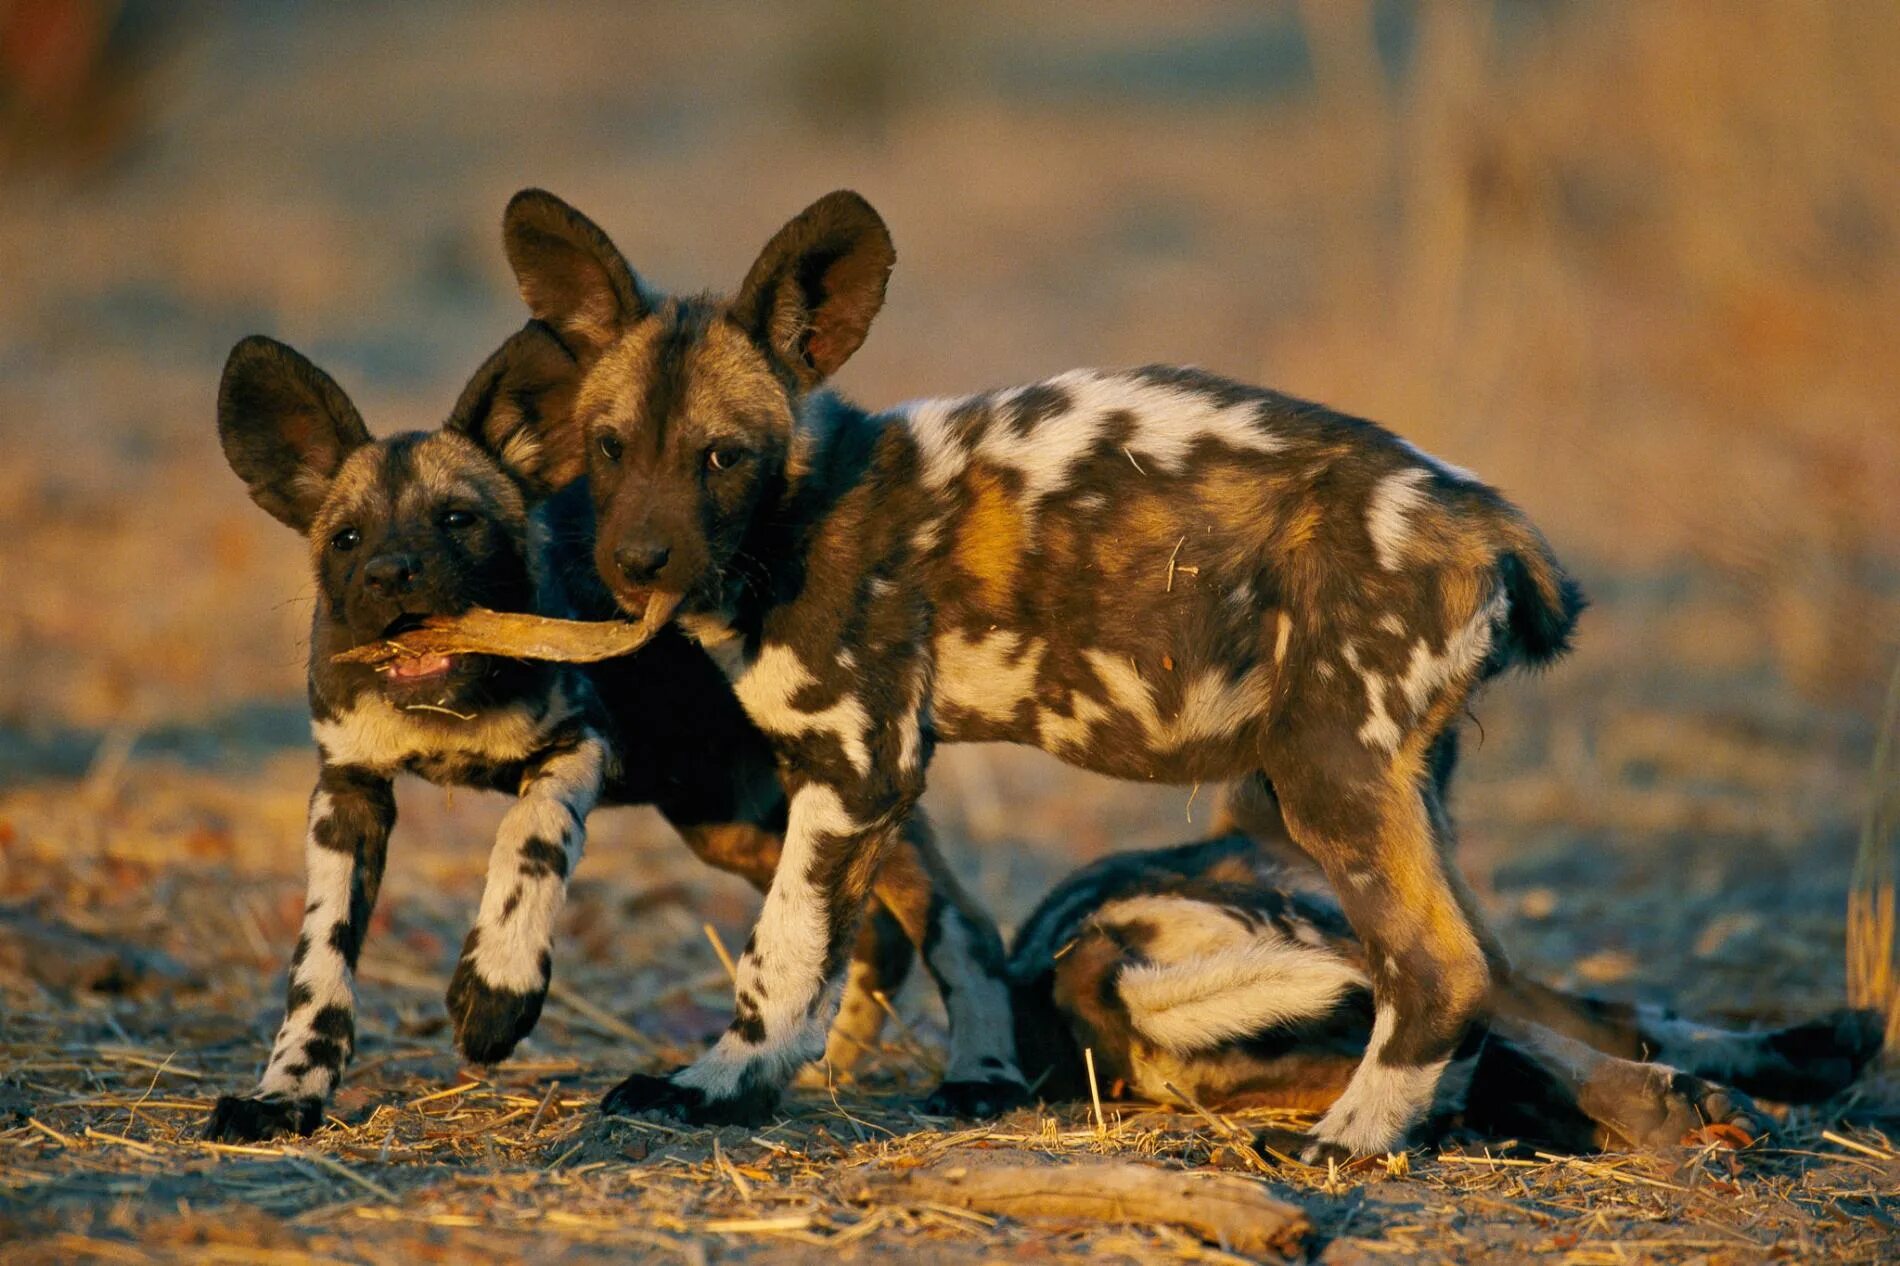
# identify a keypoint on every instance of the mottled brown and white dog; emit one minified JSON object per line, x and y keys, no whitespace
{"x":1155,"y":574}
{"x":1212,"y":971}
{"x":434,"y":523}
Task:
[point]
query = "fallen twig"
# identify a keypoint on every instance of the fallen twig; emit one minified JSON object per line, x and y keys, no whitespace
{"x":1221,"y":1208}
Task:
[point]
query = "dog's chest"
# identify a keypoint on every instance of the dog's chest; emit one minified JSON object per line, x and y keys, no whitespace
{"x":482,"y":749}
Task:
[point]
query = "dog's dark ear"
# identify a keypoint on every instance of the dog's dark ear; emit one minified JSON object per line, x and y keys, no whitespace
{"x":812,"y":293}
{"x":571,"y":276}
{"x":519,"y":407}
{"x":285,"y":427}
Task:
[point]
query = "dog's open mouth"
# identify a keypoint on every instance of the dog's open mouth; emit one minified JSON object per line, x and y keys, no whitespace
{"x":415,"y":668}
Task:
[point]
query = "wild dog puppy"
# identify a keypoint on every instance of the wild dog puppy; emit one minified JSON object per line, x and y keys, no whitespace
{"x":436,"y":522}
{"x":1212,"y":971}
{"x":1156,"y":574}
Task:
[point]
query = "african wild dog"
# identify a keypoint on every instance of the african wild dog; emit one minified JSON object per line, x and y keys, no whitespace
{"x":435,"y":522}
{"x":1210,"y":970}
{"x":1156,"y":574}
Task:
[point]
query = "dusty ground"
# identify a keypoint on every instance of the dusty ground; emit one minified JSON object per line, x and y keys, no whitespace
{"x":1641,"y":272}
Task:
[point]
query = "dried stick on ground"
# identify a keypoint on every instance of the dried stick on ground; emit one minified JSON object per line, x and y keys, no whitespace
{"x":1221,"y":1208}
{"x":512,"y":635}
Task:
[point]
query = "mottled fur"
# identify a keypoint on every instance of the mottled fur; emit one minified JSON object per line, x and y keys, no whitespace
{"x":1212,"y":971}
{"x":1156,"y":574}
{"x":437,"y":522}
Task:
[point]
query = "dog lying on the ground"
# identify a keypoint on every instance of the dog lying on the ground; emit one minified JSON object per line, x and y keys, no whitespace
{"x":437,"y":522}
{"x":1212,"y":973}
{"x":1156,"y":574}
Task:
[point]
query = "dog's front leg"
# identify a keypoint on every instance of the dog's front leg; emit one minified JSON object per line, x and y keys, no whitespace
{"x":351,"y":814}
{"x":792,"y":972}
{"x":506,"y":965}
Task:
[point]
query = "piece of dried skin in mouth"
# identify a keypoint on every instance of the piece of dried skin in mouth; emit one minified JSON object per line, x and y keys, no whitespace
{"x":515,"y":635}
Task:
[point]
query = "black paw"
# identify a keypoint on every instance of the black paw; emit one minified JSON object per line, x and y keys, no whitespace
{"x":1816,"y":1060}
{"x":489,"y":1022}
{"x":989,"y":1098}
{"x":254,"y":1118}
{"x":662,"y":1096}
{"x":1299,"y":1146}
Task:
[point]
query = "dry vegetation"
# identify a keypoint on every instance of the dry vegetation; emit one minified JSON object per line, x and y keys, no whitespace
{"x":1637,"y":265}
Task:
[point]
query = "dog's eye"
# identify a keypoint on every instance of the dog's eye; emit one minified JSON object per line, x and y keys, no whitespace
{"x":724,"y":458}
{"x":610,"y":446}
{"x":346,"y":540}
{"x":456,"y":520}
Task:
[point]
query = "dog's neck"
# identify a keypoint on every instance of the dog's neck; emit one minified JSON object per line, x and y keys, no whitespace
{"x":835,"y":445}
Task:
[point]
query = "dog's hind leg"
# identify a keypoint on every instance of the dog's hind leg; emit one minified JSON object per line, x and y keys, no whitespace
{"x":1798,"y":1063}
{"x":1371,"y":826}
{"x":1634,"y":1104}
{"x":351,"y":814}
{"x":963,"y":952}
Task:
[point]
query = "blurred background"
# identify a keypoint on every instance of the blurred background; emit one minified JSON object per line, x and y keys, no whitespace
{"x":1635,"y":263}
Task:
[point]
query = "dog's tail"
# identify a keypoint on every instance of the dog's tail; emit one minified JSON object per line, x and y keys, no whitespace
{"x":1544,"y":601}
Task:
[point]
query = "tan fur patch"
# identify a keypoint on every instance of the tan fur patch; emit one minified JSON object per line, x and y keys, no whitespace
{"x":1238,"y":499}
{"x":990,"y":537}
{"x":352,"y":492}
{"x":730,"y":381}
{"x":617,"y":378}
{"x":449,"y":468}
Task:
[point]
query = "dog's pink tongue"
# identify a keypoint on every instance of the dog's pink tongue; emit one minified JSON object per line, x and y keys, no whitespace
{"x":421,"y":666}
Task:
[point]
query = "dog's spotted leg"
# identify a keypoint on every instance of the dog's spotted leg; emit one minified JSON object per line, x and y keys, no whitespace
{"x":351,"y":814}
{"x":502,"y":978}
{"x":792,"y":972}
{"x":1428,"y":967}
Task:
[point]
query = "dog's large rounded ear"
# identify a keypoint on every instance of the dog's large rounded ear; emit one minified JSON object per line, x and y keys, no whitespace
{"x":519,"y":407}
{"x":571,"y":276}
{"x":812,"y":293}
{"x":286,"y":428}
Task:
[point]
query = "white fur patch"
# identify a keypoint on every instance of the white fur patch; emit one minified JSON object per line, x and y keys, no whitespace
{"x":1465,"y":649}
{"x":553,"y":807}
{"x":328,"y":877}
{"x":375,"y":734}
{"x":1379,"y":730}
{"x":767,"y":688}
{"x":989,"y":674}
{"x":1393,"y":499}
{"x":1213,"y":705}
{"x":1382,"y":1102}
{"x":1200,"y":1002}
{"x":787,"y":963}
{"x":1169,"y":423}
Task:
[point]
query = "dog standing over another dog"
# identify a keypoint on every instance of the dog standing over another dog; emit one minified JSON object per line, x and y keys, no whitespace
{"x":1156,"y":574}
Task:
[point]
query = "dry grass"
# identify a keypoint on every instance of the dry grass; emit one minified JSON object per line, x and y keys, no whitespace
{"x":1873,"y":969}
{"x":1636,"y":263}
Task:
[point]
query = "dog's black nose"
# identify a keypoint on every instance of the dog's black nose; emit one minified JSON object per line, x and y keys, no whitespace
{"x":390,"y":574}
{"x":641,"y":561}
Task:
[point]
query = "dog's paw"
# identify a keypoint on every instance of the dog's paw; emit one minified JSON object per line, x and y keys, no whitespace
{"x":1817,"y":1059}
{"x":1674,"y":1109}
{"x":990,"y":1097}
{"x":490,"y":1021}
{"x":1296,"y":1145}
{"x":254,"y":1118}
{"x":642,"y":1095}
